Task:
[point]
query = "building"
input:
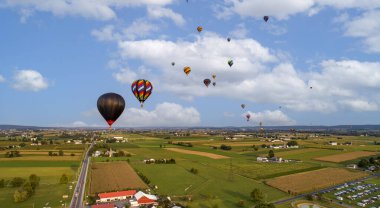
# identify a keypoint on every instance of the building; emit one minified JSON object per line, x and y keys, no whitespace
{"x":115,"y":196}
{"x":141,"y":198}
{"x":262,"y":159}
{"x":112,"y":205}
{"x":352,"y":166}
{"x":333,"y":143}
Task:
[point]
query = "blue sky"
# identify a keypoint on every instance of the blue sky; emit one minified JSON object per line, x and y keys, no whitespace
{"x":57,"y":57}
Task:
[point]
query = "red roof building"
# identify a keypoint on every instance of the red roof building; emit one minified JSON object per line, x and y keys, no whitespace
{"x":103,"y":206}
{"x":115,"y":196}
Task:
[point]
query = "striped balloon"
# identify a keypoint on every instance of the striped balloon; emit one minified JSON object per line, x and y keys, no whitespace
{"x":187,"y":70}
{"x":142,"y":89}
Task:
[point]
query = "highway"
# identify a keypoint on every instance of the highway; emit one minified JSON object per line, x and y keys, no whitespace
{"x":77,"y":199}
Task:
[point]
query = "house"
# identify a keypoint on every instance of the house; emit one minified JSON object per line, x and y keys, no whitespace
{"x":262,"y":159}
{"x":77,"y":141}
{"x":112,"y":205}
{"x":115,"y":196}
{"x":141,"y":198}
{"x":352,"y":166}
{"x":97,"y":153}
{"x":333,"y":143}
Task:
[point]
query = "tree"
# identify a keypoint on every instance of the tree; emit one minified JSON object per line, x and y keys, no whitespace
{"x":17,"y":181}
{"x":20,"y":195}
{"x":264,"y":205}
{"x":372,"y":160}
{"x":51,"y":141}
{"x":292,"y":143}
{"x":2,"y":183}
{"x":363,"y":163}
{"x":64,"y":179}
{"x":309,"y":197}
{"x":50,"y":153}
{"x":72,"y":154}
{"x":120,"y":153}
{"x":271,"y":153}
{"x":263,"y":146}
{"x":256,"y":148}
{"x":22,"y":144}
{"x":60,"y":152}
{"x":34,"y":181}
{"x":28,"y":188}
{"x":257,"y":196}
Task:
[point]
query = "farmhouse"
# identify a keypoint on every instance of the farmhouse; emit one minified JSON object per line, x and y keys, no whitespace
{"x":141,"y":198}
{"x":262,"y":159}
{"x":115,"y":196}
{"x":352,"y":166}
{"x":333,"y":143}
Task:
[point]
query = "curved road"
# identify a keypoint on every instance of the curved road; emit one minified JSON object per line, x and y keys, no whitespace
{"x":77,"y":200}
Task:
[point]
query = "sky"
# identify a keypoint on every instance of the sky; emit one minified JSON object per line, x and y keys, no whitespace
{"x":314,"y":62}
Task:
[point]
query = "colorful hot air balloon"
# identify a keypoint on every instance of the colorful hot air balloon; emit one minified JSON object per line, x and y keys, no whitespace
{"x":111,"y":106}
{"x":214,"y":83}
{"x":199,"y":28}
{"x":214,"y":76}
{"x":242,"y":106}
{"x":173,"y":63}
{"x":230,"y":62}
{"x":266,"y":18}
{"x":248,"y":116}
{"x":187,"y":70}
{"x":142,"y":89}
{"x":207,"y":82}
{"x":228,"y":39}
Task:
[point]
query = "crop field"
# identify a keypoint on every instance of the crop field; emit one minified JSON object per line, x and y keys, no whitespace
{"x":114,"y":176}
{"x":346,"y":156}
{"x":205,"y":154}
{"x":313,"y":180}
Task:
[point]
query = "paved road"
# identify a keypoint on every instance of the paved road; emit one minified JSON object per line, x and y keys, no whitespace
{"x":77,"y":200}
{"x":326,"y":189}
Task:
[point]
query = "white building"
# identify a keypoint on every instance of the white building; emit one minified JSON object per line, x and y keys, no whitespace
{"x":262,"y":159}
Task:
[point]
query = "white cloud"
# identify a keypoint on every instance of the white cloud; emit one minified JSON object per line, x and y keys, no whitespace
{"x":160,"y":12}
{"x":240,"y":31}
{"x":29,"y":80}
{"x":125,"y":76}
{"x":79,"y":124}
{"x":107,"y":33}
{"x":168,"y":114}
{"x":270,"y":118}
{"x":94,"y":9}
{"x":253,"y":76}
{"x":2,"y":79}
{"x":359,"y":105}
{"x":367,"y":27}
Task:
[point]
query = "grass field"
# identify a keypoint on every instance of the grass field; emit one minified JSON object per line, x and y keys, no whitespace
{"x":205,"y":154}
{"x":346,"y":156}
{"x":114,"y":176}
{"x":314,"y":180}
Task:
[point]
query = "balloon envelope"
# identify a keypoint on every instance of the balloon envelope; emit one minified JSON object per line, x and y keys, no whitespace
{"x":230,"y":62}
{"x":199,"y":28}
{"x":266,"y":18}
{"x":187,"y":70}
{"x":242,"y":106}
{"x":207,"y":82}
{"x":111,"y":106}
{"x":142,"y":89}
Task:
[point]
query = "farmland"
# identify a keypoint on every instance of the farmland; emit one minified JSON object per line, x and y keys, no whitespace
{"x":346,"y":156}
{"x":314,"y":180}
{"x":113,"y":176}
{"x":205,"y":154}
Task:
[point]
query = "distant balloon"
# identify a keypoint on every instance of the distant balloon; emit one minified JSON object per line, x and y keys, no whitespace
{"x":266,"y":18}
{"x":248,"y":116}
{"x":207,"y":82}
{"x":214,"y":83}
{"x":214,"y":76}
{"x":228,"y":39}
{"x":111,"y":106}
{"x":230,"y":62}
{"x":187,"y":70}
{"x":199,"y":28}
{"x":142,"y":89}
{"x":311,"y":87}
{"x":173,"y":63}
{"x":242,"y":106}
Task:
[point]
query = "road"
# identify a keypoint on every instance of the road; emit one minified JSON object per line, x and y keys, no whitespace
{"x":77,"y":200}
{"x":326,"y":189}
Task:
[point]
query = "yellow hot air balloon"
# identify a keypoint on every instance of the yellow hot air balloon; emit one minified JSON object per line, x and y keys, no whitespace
{"x":214,"y":76}
{"x":187,"y":70}
{"x":199,"y":28}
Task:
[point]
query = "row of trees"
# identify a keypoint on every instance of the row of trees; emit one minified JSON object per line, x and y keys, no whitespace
{"x":225,"y":147}
{"x":12,"y":154}
{"x":365,"y":163}
{"x":162,"y":161}
{"x":26,"y":187}
{"x":60,"y":153}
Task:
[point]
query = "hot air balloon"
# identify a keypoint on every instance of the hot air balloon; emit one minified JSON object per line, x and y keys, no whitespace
{"x":242,"y":106}
{"x":187,"y":70}
{"x":311,"y":87}
{"x":142,"y":89}
{"x":214,"y":83}
{"x":207,"y":82}
{"x":214,"y":76}
{"x":266,"y":18}
{"x":111,"y":106}
{"x":248,"y":116}
{"x":230,"y":62}
{"x":199,"y":28}
{"x":173,"y":63}
{"x":228,"y":39}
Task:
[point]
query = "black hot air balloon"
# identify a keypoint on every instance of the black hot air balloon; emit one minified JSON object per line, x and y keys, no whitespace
{"x":111,"y":106}
{"x":173,"y":63}
{"x":266,"y":18}
{"x":214,"y":83}
{"x":207,"y":82}
{"x":228,"y":39}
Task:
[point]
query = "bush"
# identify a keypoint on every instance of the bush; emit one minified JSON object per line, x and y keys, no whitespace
{"x":194,"y":171}
{"x":225,"y":147}
{"x":72,"y":154}
{"x":17,"y":182}
{"x":64,"y":179}
{"x":20,"y":195}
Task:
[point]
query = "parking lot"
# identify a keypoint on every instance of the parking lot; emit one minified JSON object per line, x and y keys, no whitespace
{"x":358,"y":194}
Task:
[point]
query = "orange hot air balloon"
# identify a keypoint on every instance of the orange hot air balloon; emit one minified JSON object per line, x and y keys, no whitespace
{"x":199,"y":28}
{"x":187,"y":70}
